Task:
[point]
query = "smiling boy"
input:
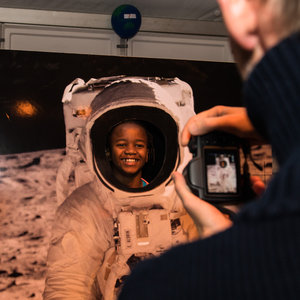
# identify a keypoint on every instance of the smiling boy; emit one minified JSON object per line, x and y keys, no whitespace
{"x":129,"y":153}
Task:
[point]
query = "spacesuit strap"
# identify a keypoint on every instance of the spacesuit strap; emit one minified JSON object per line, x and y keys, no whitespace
{"x":66,"y":168}
{"x":109,"y":262}
{"x":176,"y":215}
{"x":73,"y":141}
{"x":63,"y":174}
{"x":113,"y":268}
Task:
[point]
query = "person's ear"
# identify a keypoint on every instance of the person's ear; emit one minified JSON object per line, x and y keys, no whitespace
{"x":147,"y":157}
{"x":241,"y":19}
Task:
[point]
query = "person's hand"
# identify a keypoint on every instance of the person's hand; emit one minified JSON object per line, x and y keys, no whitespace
{"x":233,"y":120}
{"x":207,"y":218}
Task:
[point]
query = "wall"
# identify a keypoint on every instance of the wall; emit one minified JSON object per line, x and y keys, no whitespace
{"x":92,"y":34}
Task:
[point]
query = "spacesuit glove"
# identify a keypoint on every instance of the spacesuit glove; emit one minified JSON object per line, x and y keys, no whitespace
{"x":207,"y":218}
{"x":233,"y":120}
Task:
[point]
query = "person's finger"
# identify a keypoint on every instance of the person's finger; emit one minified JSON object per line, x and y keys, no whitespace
{"x":195,"y":124}
{"x":230,"y":119}
{"x":258,"y":185}
{"x":199,"y":125}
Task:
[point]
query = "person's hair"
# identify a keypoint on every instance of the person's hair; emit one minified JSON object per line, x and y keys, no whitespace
{"x":287,"y":13}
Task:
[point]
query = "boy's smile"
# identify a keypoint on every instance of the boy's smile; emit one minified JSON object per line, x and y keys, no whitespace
{"x":129,"y":152}
{"x":130,"y":161}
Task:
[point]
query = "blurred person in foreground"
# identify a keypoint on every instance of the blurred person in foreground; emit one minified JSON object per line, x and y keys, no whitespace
{"x":258,"y":256}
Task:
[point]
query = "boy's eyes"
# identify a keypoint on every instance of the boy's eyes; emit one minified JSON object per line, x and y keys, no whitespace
{"x":140,"y":145}
{"x":122,"y":145}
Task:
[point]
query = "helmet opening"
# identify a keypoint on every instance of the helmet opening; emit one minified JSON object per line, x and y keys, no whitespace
{"x":162,"y":139}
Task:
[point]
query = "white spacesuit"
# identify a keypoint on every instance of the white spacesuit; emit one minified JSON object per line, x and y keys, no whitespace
{"x":102,"y":228}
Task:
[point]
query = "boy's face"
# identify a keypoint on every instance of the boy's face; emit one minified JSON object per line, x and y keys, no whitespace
{"x":129,"y":151}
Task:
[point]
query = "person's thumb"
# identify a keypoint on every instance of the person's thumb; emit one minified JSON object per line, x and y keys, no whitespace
{"x":206,"y":217}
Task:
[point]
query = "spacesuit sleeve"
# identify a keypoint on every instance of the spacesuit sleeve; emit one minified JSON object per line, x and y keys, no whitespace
{"x":81,"y":234}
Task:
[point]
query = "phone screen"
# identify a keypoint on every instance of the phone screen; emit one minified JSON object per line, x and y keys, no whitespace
{"x":221,"y":166}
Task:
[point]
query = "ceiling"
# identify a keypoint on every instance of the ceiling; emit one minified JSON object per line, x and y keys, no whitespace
{"x":203,"y":10}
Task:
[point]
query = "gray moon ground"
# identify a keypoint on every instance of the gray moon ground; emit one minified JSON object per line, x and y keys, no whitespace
{"x":27,"y":207}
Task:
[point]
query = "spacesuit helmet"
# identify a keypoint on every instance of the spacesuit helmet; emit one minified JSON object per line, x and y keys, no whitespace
{"x":93,"y":108}
{"x":135,"y":101}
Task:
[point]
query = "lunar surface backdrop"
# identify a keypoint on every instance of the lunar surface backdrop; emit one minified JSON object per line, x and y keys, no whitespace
{"x":32,"y":141}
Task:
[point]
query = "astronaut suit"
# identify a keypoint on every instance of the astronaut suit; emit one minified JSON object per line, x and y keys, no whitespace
{"x":102,"y":228}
